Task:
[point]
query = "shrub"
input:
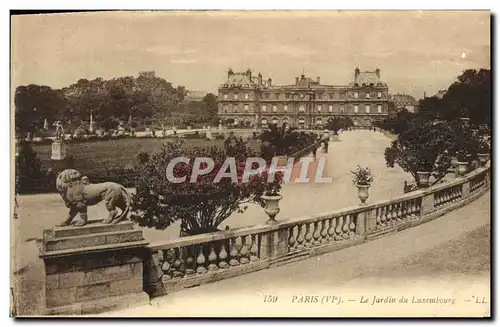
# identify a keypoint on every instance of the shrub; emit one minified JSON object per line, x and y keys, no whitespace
{"x":362,"y":176}
{"x":27,"y":167}
{"x":200,"y":206}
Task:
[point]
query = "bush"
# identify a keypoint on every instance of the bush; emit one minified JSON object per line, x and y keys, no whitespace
{"x":200,"y":206}
{"x":27,"y":167}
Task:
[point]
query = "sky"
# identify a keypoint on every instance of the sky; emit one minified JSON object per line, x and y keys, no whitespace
{"x":416,"y":51}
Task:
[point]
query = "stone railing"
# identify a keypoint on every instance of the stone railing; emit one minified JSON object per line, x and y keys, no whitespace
{"x":101,"y":267}
{"x":194,"y":260}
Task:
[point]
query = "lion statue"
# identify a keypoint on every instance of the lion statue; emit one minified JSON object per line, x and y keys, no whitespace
{"x":78,"y":193}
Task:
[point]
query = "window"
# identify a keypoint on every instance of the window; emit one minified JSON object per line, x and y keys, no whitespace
{"x":302,"y":108}
{"x":331,"y":96}
{"x":379,"y":108}
{"x":325,"y":96}
{"x":288,"y":95}
{"x":235,"y":108}
{"x":379,"y":95}
{"x":246,"y":96}
{"x":356,"y":108}
{"x":319,"y":108}
{"x":330,"y":108}
{"x":342,"y":110}
{"x":246,"y":107}
{"x":264,"y":108}
{"x":236,"y":96}
{"x":367,"y":108}
{"x":367,"y":95}
{"x":285,"y":108}
{"x":266,"y":95}
{"x":225,"y":96}
{"x":355,"y":95}
{"x":225,"y":109}
{"x":275,"y":108}
{"x":277,"y":96}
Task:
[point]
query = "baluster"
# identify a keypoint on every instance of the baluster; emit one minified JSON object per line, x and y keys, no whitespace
{"x":383,"y":218}
{"x":300,"y":237}
{"x":177,"y":265}
{"x":244,"y":250}
{"x":413,"y":208}
{"x":308,"y":236}
{"x":223,"y":256}
{"x":404,"y":209}
{"x":324,"y":231}
{"x":165,"y":266}
{"x":200,"y":260}
{"x":190,"y":264}
{"x":233,"y":253}
{"x":352,"y":225}
{"x":331,"y":228}
{"x":399,"y":211}
{"x":316,"y":233}
{"x":345,"y":227}
{"x":390,"y":213}
{"x":254,"y":249}
{"x":291,"y":239}
{"x":212,"y":259}
{"x":378,"y":213}
{"x":338,"y":229}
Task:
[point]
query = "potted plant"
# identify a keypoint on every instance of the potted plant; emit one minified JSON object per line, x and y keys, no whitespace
{"x":362,"y":179}
{"x":272,"y":197}
{"x":483,"y":153}
{"x":463,"y":161}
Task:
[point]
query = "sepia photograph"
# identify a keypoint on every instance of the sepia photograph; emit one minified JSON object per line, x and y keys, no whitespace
{"x":280,"y":164}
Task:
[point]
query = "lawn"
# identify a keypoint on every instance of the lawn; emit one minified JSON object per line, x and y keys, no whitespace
{"x":117,"y":153}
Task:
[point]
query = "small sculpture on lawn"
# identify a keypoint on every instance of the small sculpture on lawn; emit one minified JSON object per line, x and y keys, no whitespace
{"x":59,"y":137}
{"x":78,"y":193}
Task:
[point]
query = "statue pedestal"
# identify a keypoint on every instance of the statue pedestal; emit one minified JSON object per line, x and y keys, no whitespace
{"x":58,"y":151}
{"x":94,"y":268}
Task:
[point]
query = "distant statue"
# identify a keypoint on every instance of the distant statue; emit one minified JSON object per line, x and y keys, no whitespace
{"x":59,"y":131}
{"x":78,"y":193}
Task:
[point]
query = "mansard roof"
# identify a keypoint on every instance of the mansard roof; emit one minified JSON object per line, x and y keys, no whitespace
{"x":239,"y":78}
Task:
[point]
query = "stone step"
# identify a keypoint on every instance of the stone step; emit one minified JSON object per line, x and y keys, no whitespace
{"x":92,"y":240}
{"x":93,"y":227}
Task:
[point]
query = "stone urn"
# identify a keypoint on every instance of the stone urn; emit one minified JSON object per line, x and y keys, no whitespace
{"x":423,"y":178}
{"x":363,"y":192}
{"x":282,"y":161}
{"x":272,"y":206}
{"x":462,"y":167}
{"x":483,"y":158}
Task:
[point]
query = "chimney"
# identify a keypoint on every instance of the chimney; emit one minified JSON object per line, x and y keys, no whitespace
{"x":377,"y":72}
{"x":296,"y":80}
{"x":270,"y":81}
{"x":317,"y":79}
{"x":356,"y":73}
{"x":260,"y":78}
{"x":425,"y":95}
{"x":249,"y":74}
{"x":229,"y":72}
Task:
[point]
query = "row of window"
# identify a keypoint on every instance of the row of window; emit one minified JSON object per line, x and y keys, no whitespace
{"x":288,"y":95}
{"x":302,"y":108}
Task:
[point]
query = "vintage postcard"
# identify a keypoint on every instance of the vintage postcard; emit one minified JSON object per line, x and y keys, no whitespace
{"x":251,"y":164}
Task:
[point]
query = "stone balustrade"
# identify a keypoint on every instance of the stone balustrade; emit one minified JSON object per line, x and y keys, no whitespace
{"x":194,"y":260}
{"x":82,"y":277}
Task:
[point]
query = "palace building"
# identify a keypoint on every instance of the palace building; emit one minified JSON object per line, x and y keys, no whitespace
{"x":250,"y":100}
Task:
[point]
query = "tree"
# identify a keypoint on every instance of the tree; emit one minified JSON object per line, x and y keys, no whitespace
{"x":34,"y":104}
{"x":278,"y":140}
{"x":426,"y":146}
{"x":397,"y":123}
{"x":201,"y":206}
{"x":210,"y":107}
{"x":471,"y":93}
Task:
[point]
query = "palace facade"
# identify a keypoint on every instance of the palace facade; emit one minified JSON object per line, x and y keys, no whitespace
{"x":250,"y":100}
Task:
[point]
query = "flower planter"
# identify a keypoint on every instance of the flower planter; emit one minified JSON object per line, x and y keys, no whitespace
{"x":423,"y":178}
{"x":282,"y":160}
{"x":272,"y":206}
{"x":483,"y":158}
{"x":363,"y":192}
{"x":462,"y":168}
